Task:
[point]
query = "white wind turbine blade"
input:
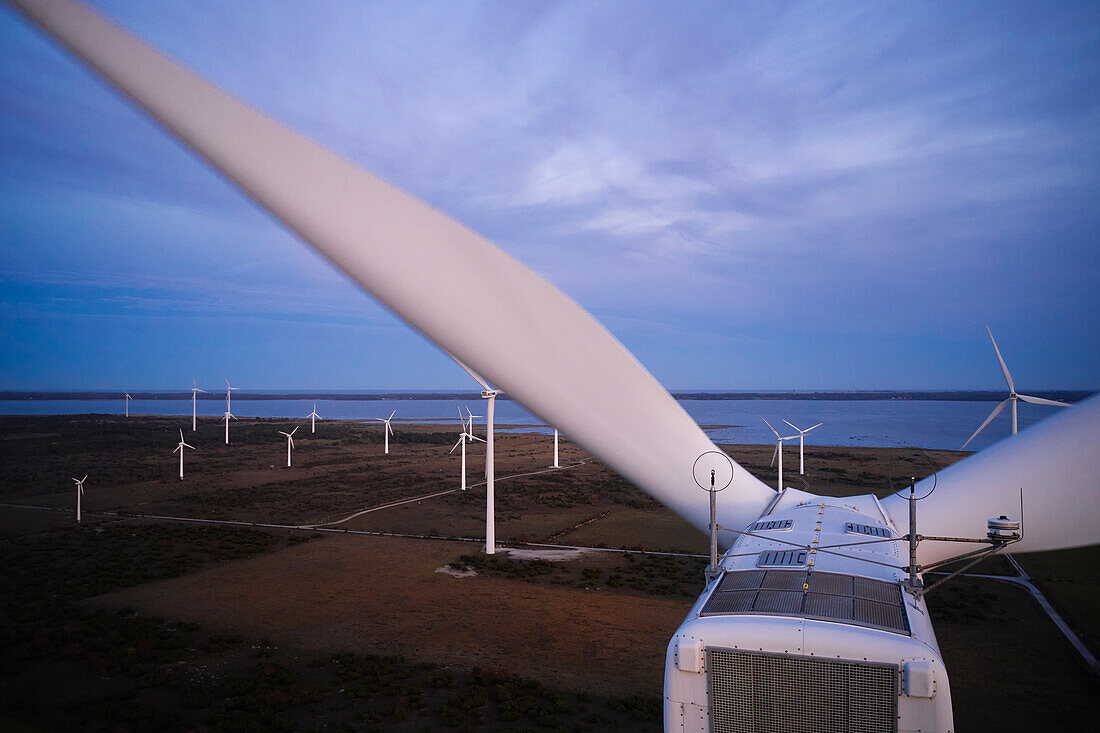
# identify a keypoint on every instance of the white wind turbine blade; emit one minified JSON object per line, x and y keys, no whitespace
{"x":389,"y":427}
{"x":292,"y":432}
{"x":770,"y":426}
{"x":529,"y":339}
{"x":178,"y":448}
{"x":1042,"y":401}
{"x":774,"y":454}
{"x":185,"y":445}
{"x":792,"y":425}
{"x":1004,"y":368}
{"x":391,"y":415}
{"x":996,"y":411}
{"x":474,"y":437}
{"x":809,"y":429}
{"x":1050,"y":462}
{"x":457,"y":443}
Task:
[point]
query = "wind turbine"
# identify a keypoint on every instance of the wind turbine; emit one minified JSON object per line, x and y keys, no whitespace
{"x":313,"y":417}
{"x":555,"y":463}
{"x":801,"y":442}
{"x":490,"y":394}
{"x":387,"y":429}
{"x":623,"y":416}
{"x":128,"y":398}
{"x":194,"y":393}
{"x":467,"y":432}
{"x":180,"y":448}
{"x":79,"y":493}
{"x":1013,"y":397}
{"x":778,"y":452}
{"x":228,"y":396}
{"x":226,"y":417}
{"x":289,"y":443}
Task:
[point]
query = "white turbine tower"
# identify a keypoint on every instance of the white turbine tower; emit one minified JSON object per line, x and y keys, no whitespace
{"x":387,"y":429}
{"x":801,"y":443}
{"x":467,"y":433}
{"x":180,"y":448}
{"x":229,"y":396}
{"x":313,"y":417}
{"x":194,"y":393}
{"x":79,"y":493}
{"x":555,"y":463}
{"x":778,"y":452}
{"x":1013,"y":397}
{"x":490,"y":394}
{"x":128,"y":398}
{"x":289,"y":443}
{"x":226,"y":417}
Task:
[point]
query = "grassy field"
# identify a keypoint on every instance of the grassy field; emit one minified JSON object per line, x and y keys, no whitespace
{"x":157,"y":625}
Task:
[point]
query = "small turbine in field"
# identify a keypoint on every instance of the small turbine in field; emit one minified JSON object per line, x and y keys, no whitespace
{"x":229,"y":396}
{"x":490,"y":394}
{"x":313,"y":417}
{"x":128,"y":398}
{"x":194,"y":393}
{"x":1013,"y":397}
{"x":467,"y":433}
{"x":79,"y":493}
{"x":387,"y":429}
{"x":555,"y":463}
{"x":180,"y":448}
{"x":289,"y":443}
{"x":227,"y":417}
{"x":801,"y":443}
{"x":778,"y":451}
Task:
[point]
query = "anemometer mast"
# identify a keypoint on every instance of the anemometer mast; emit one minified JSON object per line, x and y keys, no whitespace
{"x":713,"y":472}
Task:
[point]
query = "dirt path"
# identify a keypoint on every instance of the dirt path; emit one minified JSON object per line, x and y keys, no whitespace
{"x":382,"y":595}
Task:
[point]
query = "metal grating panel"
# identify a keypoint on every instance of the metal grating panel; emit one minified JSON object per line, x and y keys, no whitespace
{"x":751,"y":692}
{"x":867,"y":529}
{"x":781,"y":558}
{"x":834,"y":608}
{"x":828,"y":597}
{"x":773,"y":524}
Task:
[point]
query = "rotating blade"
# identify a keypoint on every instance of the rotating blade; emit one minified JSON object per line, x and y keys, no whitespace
{"x":1050,"y":462}
{"x":529,"y":339}
{"x":996,"y":411}
{"x":1042,"y":401}
{"x":1004,"y":368}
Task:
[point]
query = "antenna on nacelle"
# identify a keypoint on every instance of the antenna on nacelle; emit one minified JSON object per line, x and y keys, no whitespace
{"x":713,"y":472}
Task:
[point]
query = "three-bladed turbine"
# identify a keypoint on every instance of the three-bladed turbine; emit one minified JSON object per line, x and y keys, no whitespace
{"x":79,"y":493}
{"x":387,"y":429}
{"x":228,"y":396}
{"x":801,"y":444}
{"x":1013,"y":397}
{"x":180,"y":448}
{"x":289,"y":443}
{"x":466,"y":434}
{"x":128,"y":398}
{"x":194,"y":415}
{"x":228,"y":415}
{"x":778,"y":452}
{"x":313,"y":418}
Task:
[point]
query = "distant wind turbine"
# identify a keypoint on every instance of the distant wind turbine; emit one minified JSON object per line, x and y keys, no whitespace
{"x":314,"y":417}
{"x":387,"y":429}
{"x":227,"y":416}
{"x":180,"y":448}
{"x":1013,"y":397}
{"x":289,"y":443}
{"x":490,"y":488}
{"x":801,"y":443}
{"x":555,"y":463}
{"x":128,"y":398}
{"x":228,"y":396}
{"x":467,"y":433}
{"x":778,"y":451}
{"x":194,"y":393}
{"x":79,"y":493}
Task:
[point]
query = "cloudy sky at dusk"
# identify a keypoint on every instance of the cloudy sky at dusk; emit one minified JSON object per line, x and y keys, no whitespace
{"x":749,"y":196}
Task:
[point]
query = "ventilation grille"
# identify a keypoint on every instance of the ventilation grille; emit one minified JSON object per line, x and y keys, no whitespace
{"x":766,"y":524}
{"x":847,"y":599}
{"x":781,"y":559}
{"x":769,"y":693}
{"x":867,"y":529}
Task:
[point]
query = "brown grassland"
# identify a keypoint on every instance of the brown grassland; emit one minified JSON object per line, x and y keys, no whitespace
{"x":133,"y":621}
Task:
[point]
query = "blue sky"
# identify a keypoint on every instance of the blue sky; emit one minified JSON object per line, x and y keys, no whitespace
{"x":750,"y":196}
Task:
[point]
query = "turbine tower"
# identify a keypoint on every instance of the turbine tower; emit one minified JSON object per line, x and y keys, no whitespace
{"x":490,"y":394}
{"x":801,"y":443}
{"x":467,"y":433}
{"x":555,"y":463}
{"x":289,"y":443}
{"x":387,"y":429}
{"x":79,"y":493}
{"x":180,"y":448}
{"x":194,"y":393}
{"x":1013,"y":397}
{"x":778,"y":451}
{"x":128,"y":398}
{"x":313,"y":417}
{"x":228,"y":396}
{"x":226,"y":417}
